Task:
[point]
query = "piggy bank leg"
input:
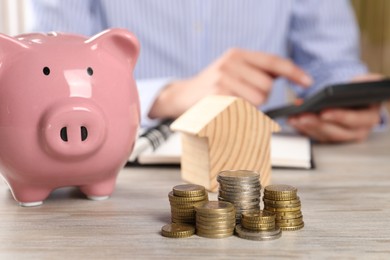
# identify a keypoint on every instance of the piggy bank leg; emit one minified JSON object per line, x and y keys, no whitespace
{"x":100,"y":190}
{"x":28,"y":196}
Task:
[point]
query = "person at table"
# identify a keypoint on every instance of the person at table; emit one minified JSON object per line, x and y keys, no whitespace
{"x":257,"y":50}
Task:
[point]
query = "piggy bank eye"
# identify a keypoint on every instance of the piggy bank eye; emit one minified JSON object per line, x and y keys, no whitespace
{"x":90,"y":71}
{"x":46,"y":71}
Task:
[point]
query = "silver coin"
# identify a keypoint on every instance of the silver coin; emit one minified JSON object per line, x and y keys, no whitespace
{"x":258,"y":235}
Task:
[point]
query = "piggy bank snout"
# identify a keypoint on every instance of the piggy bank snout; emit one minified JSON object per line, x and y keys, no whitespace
{"x":72,"y":132}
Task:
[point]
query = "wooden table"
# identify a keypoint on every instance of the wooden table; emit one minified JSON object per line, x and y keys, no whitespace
{"x":345,"y":205}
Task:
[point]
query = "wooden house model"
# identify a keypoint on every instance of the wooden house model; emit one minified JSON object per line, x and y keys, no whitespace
{"x":224,"y":133}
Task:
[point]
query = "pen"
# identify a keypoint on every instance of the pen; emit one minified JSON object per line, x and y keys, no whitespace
{"x":151,"y":139}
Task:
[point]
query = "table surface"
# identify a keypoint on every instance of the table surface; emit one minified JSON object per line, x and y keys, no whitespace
{"x":345,"y":205}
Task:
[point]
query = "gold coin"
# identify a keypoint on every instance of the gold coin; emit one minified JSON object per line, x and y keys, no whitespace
{"x":280,"y":197}
{"x":183,"y":220}
{"x":215,"y":231}
{"x":207,"y":235}
{"x":173,"y":214}
{"x":282,"y":225}
{"x":183,"y":211}
{"x":290,"y":221}
{"x":186,"y":221}
{"x":276,"y":206}
{"x":207,"y":219}
{"x":258,"y":223}
{"x":288,"y":215}
{"x":189,"y":190}
{"x":211,"y":207}
{"x":182,"y":216}
{"x":261,"y":222}
{"x":175,"y":230}
{"x":276,"y":210}
{"x":210,"y":225}
{"x":215,"y":228}
{"x":281,"y":202}
{"x":263,"y":226}
{"x":185,"y":206}
{"x":177,"y":199}
{"x":293,"y":228}
{"x":259,"y":216}
{"x":216,"y":223}
{"x":280,"y":189}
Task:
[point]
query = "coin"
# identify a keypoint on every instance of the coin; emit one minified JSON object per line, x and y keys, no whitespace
{"x":240,"y":187}
{"x":298,"y":220}
{"x":213,"y":235}
{"x":242,"y":174}
{"x":216,"y":218}
{"x":259,"y":216}
{"x":237,"y":186}
{"x":258,"y":235}
{"x":280,"y":197}
{"x":214,"y":207}
{"x":182,"y":221}
{"x":183,"y":200}
{"x":261,"y":226}
{"x":288,"y":215}
{"x":293,"y":228}
{"x":189,"y":190}
{"x":281,"y":202}
{"x":240,"y":195}
{"x":280,"y":189}
{"x":285,"y":209}
{"x":177,"y":230}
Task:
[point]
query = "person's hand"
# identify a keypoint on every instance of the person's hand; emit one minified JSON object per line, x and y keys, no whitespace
{"x":242,"y":73}
{"x":339,"y":125}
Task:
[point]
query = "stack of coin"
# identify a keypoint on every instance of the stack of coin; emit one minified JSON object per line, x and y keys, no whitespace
{"x":258,"y":226}
{"x":283,"y":201}
{"x":242,"y":188}
{"x":215,"y":219}
{"x":175,"y":230}
{"x":183,"y":198}
{"x":258,"y":221}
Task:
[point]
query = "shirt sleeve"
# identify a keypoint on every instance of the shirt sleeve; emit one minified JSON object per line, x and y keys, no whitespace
{"x":148,"y":90}
{"x":324,"y":41}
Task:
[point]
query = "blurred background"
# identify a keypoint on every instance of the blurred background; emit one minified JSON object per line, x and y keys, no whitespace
{"x":373,"y":17}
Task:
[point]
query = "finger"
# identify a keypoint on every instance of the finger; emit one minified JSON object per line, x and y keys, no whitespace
{"x":307,"y":125}
{"x":278,"y":66}
{"x":367,"y":77}
{"x":232,"y":86}
{"x":323,"y":131}
{"x":252,"y":76}
{"x":353,"y":118}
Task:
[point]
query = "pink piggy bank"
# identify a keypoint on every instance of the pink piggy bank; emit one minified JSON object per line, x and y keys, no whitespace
{"x":69,"y":112}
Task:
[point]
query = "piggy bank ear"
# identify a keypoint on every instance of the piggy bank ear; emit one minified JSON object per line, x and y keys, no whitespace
{"x":118,"y":42}
{"x":9,"y":46}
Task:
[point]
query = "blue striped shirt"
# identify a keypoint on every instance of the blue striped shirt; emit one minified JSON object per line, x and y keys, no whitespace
{"x":179,"y":38}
